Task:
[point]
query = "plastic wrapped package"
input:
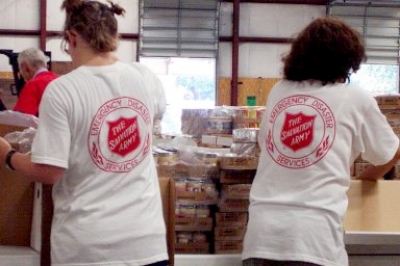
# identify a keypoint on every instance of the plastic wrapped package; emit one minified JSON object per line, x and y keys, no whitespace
{"x":14,"y":118}
{"x":245,"y":135}
{"x":194,"y":155}
{"x":249,"y":149}
{"x":238,"y":162}
{"x":194,"y":121}
{"x":157,"y":127}
{"x":247,"y":116}
{"x":219,"y":121}
{"x":21,"y":140}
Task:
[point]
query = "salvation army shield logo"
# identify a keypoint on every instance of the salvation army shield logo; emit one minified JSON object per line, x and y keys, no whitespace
{"x":297,"y":130}
{"x":301,"y":131}
{"x":119,"y":138}
{"x":123,"y":135}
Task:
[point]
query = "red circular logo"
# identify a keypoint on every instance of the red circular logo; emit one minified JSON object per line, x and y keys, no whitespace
{"x":120,"y":135}
{"x":301,"y":131}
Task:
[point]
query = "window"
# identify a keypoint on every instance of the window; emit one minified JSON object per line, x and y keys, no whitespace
{"x":189,"y":83}
{"x":179,"y":41}
{"x":378,"y":21}
{"x":378,"y":79}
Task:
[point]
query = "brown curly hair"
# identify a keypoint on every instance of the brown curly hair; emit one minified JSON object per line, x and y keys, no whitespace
{"x":326,"y":50}
{"x":94,"y":22}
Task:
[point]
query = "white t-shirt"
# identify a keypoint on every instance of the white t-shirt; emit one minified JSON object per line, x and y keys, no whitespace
{"x":309,"y":137}
{"x":97,"y":123}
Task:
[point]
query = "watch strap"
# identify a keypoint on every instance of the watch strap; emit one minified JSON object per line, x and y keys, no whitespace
{"x":9,"y":155}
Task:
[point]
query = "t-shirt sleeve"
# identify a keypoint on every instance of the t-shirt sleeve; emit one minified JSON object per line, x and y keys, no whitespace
{"x":379,"y":143}
{"x":155,"y":90}
{"x":51,"y":144}
{"x":161,"y":102}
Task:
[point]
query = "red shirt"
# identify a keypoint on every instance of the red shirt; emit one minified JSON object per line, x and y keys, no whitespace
{"x":32,"y":92}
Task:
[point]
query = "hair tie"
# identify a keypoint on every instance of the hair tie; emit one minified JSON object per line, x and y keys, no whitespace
{"x":113,"y":8}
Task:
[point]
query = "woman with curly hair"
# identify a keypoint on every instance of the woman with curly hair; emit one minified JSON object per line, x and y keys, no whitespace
{"x":93,"y":143}
{"x":315,"y":125}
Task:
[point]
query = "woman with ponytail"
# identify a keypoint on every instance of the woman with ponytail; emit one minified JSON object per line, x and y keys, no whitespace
{"x":93,"y":143}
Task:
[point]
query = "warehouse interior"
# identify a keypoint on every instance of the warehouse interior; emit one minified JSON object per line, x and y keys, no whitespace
{"x":207,"y":53}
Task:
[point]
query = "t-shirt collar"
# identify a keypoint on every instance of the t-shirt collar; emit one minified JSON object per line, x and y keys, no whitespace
{"x":40,"y":70}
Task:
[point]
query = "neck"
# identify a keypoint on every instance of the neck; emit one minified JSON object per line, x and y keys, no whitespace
{"x":89,"y":58}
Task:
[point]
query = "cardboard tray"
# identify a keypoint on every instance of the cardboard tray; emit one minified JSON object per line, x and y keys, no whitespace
{"x":373,"y":206}
{"x":18,"y":256}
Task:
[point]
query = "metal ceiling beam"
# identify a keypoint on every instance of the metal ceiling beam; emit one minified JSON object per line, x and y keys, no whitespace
{"x":9,"y":32}
{"x":235,"y":53}
{"x":243,"y":39}
{"x":365,"y":3}
{"x":43,"y":24}
{"x":295,"y":2}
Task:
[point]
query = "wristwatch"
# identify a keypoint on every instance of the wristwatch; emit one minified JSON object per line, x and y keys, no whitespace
{"x":8,"y":159}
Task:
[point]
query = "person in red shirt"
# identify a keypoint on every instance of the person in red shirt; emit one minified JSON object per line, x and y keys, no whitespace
{"x":32,"y":64}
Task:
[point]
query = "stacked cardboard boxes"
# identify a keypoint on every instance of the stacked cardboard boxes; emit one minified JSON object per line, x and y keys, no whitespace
{"x":196,"y":198}
{"x":236,"y":175}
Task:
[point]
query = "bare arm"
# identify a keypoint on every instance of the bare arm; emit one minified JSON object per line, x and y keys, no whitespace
{"x":375,"y":172}
{"x":46,"y":174}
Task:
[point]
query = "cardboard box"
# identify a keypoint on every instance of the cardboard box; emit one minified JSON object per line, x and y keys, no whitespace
{"x":167,"y":171}
{"x":237,"y":176}
{"x":16,"y":215}
{"x":189,"y":197}
{"x":234,"y":205}
{"x":231,"y":218}
{"x":217,"y":140}
{"x":235,"y":191}
{"x":16,"y":204}
{"x":238,"y":162}
{"x":228,"y":247}
{"x":209,"y":140}
{"x":388,"y":100}
{"x":16,"y":208}
{"x":373,"y":206}
{"x":360,"y":167}
{"x":229,"y":233}
{"x":193,"y":224}
{"x":224,"y":141}
{"x":192,"y":248}
{"x":167,"y":190}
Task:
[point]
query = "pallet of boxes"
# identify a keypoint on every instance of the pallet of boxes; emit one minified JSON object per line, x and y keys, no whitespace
{"x":212,"y":181}
{"x":237,"y":171}
{"x":195,"y":179}
{"x":196,"y":197}
{"x":390,"y":108}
